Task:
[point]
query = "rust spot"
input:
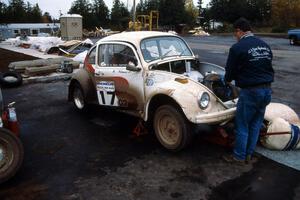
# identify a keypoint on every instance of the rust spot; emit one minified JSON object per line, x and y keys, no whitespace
{"x":127,"y":100}
{"x":182,"y":80}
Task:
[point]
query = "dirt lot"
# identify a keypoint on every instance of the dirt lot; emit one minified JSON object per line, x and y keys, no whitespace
{"x":73,"y":156}
{"x":10,"y":56}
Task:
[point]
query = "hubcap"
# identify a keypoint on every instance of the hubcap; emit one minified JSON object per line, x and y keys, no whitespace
{"x":6,"y":155}
{"x":292,"y":41}
{"x":10,"y":79}
{"x":78,"y":98}
{"x":169,"y":129}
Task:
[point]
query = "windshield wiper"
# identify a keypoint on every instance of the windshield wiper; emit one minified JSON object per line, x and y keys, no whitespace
{"x":165,"y":54}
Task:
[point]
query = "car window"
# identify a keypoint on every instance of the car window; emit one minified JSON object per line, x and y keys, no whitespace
{"x":150,"y":50}
{"x":92,"y":56}
{"x":178,"y":67}
{"x":161,"y":47}
{"x":162,"y":67}
{"x":116,"y":55}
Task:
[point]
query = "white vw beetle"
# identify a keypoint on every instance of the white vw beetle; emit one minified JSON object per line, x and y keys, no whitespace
{"x":156,"y":77}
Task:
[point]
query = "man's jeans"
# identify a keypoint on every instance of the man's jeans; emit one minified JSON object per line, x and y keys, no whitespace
{"x":250,"y":113}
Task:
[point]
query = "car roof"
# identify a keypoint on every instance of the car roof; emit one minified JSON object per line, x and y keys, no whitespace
{"x":134,"y":37}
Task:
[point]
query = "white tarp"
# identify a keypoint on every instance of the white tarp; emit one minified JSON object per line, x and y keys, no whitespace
{"x":40,"y":43}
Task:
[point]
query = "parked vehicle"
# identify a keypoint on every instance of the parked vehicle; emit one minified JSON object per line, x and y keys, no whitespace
{"x":294,"y":36}
{"x":11,"y":148}
{"x":156,"y":77}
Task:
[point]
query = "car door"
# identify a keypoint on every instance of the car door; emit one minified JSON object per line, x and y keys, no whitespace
{"x":116,"y":86}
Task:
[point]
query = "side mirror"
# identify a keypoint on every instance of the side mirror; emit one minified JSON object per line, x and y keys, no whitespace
{"x":132,"y":67}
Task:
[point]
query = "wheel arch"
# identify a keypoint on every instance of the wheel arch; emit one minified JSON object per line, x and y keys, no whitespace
{"x":293,"y":36}
{"x":84,"y":80}
{"x":158,"y":100}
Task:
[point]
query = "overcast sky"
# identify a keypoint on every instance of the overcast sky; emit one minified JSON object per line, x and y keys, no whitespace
{"x":54,"y":6}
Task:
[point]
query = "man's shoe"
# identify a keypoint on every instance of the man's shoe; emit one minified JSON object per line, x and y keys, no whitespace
{"x":251,"y":159}
{"x":233,"y":160}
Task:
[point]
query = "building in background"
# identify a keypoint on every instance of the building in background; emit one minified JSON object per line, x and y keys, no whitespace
{"x":34,"y":29}
{"x":71,"y":27}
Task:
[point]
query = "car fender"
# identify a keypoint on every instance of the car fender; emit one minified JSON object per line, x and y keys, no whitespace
{"x":185,"y":95}
{"x":84,"y":79}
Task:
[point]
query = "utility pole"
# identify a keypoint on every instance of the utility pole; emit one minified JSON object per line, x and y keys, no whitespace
{"x":133,"y":15}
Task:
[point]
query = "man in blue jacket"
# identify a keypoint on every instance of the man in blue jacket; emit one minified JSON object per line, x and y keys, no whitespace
{"x":249,"y":64}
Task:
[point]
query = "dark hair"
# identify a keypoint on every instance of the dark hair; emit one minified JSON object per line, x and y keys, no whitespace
{"x":242,"y":24}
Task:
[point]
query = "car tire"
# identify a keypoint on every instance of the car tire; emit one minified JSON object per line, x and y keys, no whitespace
{"x":10,"y":79}
{"x":11,"y":154}
{"x":78,"y":97}
{"x":171,"y":128}
{"x":292,"y":41}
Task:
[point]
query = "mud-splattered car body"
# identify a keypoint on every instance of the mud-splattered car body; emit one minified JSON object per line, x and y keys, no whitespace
{"x":156,"y":77}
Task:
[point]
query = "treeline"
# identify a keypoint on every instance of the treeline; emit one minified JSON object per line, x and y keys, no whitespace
{"x":278,"y":14}
{"x":17,"y":11}
{"x":96,"y":13}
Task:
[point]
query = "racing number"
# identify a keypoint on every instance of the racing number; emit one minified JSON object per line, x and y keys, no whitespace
{"x":107,"y":93}
{"x":103,"y":95}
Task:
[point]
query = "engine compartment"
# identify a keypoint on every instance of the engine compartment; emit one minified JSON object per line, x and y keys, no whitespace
{"x":208,"y":74}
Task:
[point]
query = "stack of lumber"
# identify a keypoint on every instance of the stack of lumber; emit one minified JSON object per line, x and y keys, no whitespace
{"x":41,"y":66}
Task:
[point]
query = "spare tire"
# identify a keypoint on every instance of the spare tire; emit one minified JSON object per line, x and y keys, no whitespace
{"x":10,"y":79}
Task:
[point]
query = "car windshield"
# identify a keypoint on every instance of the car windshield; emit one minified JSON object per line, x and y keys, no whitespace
{"x":162,"y":47}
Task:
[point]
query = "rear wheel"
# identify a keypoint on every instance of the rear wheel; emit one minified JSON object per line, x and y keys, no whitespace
{"x":292,"y":41}
{"x":11,"y":154}
{"x":171,"y":128}
{"x":78,"y":97}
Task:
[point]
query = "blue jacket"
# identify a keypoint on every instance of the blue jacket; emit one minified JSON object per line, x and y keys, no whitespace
{"x":249,"y":62}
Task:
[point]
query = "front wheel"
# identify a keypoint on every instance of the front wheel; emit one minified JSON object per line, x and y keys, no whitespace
{"x":171,"y":128}
{"x":11,"y":154}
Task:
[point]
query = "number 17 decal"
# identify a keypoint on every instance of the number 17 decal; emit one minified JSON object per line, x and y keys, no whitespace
{"x":106,"y":93}
{"x":107,"y":98}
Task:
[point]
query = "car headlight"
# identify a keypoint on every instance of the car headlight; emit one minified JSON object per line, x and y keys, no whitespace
{"x":203,"y":100}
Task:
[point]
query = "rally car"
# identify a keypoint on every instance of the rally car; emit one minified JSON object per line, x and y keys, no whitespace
{"x":156,"y":77}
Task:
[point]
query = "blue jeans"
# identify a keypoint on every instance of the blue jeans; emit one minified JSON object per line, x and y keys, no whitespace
{"x":250,"y":113}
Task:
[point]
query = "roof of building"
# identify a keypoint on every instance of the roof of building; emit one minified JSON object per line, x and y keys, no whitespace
{"x":71,"y":15}
{"x":29,"y":25}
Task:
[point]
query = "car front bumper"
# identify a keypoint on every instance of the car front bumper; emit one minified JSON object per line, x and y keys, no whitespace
{"x":216,"y":117}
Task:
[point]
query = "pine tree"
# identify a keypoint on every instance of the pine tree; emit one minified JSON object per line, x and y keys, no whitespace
{"x":119,"y":15}
{"x":36,"y":14}
{"x":141,"y":8}
{"x":172,"y":12}
{"x":3,"y":12}
{"x":192,"y":12}
{"x":16,"y":11}
{"x":101,"y":13}
{"x":84,"y":8}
